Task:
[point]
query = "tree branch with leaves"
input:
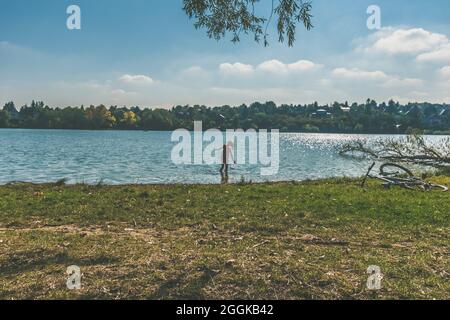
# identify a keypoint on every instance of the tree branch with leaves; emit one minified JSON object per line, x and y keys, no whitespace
{"x":220,"y":17}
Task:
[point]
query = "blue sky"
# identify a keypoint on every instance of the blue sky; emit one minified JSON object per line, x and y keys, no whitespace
{"x":147,"y":53}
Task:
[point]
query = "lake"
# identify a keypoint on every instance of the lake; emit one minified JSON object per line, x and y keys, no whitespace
{"x":124,"y":157}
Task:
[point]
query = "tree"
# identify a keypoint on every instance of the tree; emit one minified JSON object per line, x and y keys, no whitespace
{"x":10,"y":107}
{"x":129,"y":119}
{"x":363,"y":118}
{"x":100,"y":118}
{"x":11,"y":114}
{"x":238,"y":16}
{"x":4,"y":119}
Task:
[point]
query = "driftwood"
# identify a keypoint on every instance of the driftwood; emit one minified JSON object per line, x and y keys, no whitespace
{"x":414,"y":149}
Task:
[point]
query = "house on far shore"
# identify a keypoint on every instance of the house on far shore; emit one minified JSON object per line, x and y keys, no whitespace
{"x":321,"y":113}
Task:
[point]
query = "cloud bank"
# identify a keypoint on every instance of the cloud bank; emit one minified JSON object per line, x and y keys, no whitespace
{"x":407,"y":64}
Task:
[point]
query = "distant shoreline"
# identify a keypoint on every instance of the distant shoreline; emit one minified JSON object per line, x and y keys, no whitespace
{"x":368,"y":118}
{"x":437,"y":133}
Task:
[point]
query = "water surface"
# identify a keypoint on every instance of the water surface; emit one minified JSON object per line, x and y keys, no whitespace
{"x":123,"y":157}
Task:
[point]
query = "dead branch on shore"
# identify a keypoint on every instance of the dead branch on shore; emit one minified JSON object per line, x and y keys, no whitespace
{"x":413,"y":149}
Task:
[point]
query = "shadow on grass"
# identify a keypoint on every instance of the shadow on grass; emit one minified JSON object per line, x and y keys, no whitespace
{"x":180,"y":287}
{"x":19,"y":262}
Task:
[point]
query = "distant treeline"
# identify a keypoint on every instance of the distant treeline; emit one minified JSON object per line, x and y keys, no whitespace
{"x":370,"y":117}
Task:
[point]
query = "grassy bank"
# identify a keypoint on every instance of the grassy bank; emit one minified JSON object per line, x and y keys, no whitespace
{"x":278,"y":241}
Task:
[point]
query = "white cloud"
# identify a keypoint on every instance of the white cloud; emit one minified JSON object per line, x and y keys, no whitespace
{"x":278,"y":67}
{"x":358,"y":74}
{"x":194,"y":73}
{"x":104,"y":88}
{"x":118,"y":92}
{"x":402,"y":83}
{"x":274,"y":66}
{"x":302,"y":65}
{"x":445,"y":71}
{"x":136,"y":79}
{"x":438,"y":55}
{"x":424,"y":45}
{"x":236,"y":69}
{"x":118,"y":95}
{"x":8,"y":47}
{"x":378,"y":77}
{"x":194,"y":70}
{"x":404,"y":41}
{"x":373,"y":70}
{"x":194,"y":76}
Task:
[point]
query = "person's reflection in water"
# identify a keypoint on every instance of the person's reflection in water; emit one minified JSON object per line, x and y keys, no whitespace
{"x":224,"y":179}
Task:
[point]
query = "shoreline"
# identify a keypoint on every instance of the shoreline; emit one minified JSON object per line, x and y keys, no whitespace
{"x":281,"y":132}
{"x":237,"y":183}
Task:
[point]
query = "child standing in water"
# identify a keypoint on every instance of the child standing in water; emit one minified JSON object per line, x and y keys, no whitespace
{"x":227,"y":156}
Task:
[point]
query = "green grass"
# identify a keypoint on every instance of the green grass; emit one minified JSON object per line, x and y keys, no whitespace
{"x":310,"y":240}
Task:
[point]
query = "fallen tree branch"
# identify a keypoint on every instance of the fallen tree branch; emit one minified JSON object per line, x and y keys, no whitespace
{"x":414,"y":149}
